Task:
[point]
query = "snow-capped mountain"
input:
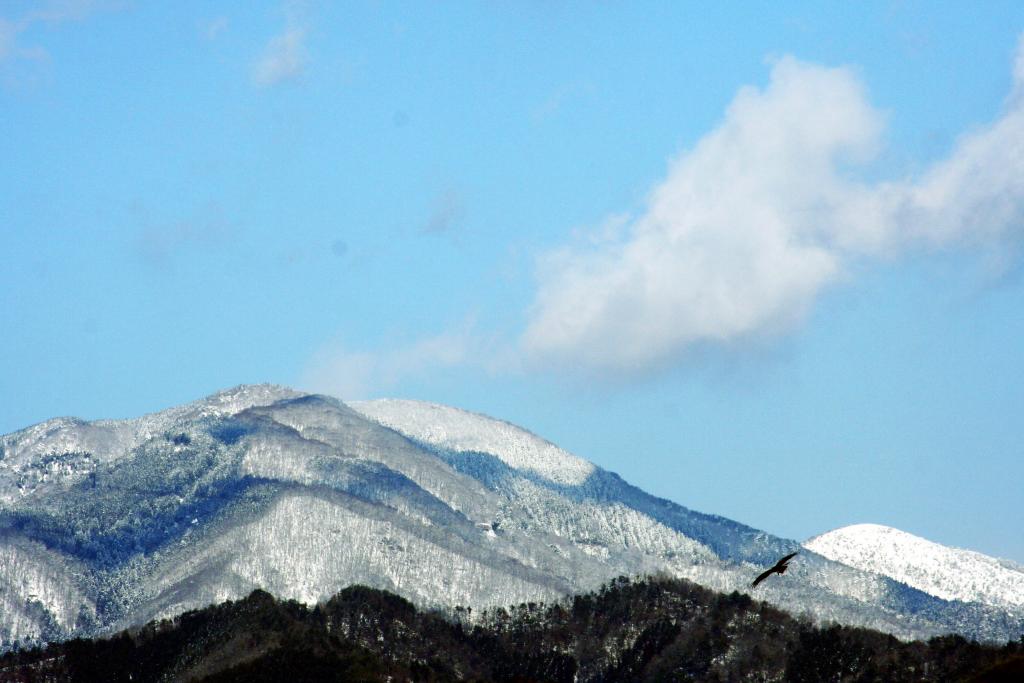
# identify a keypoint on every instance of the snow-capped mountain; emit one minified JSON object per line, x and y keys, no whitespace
{"x":110,"y":523}
{"x":947,"y":573}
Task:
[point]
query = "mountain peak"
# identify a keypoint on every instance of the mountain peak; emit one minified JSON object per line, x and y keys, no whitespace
{"x":238,"y":398}
{"x":942,"y":571}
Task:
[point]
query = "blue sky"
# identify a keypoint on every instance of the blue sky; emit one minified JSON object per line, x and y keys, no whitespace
{"x":760,"y":259}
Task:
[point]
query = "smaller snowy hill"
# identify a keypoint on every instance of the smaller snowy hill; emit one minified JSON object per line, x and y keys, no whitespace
{"x":947,"y":573}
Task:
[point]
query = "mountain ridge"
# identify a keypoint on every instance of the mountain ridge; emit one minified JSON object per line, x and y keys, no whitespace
{"x":120,"y":522}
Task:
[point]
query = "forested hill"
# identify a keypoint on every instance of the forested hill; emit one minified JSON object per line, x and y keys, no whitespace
{"x":642,"y":630}
{"x":111,"y":523}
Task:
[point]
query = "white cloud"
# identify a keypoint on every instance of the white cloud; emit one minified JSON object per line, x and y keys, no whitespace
{"x":46,"y":13}
{"x":284,"y":58}
{"x":349,"y":375}
{"x":749,"y":226}
{"x":56,"y":11}
{"x":352,"y":375}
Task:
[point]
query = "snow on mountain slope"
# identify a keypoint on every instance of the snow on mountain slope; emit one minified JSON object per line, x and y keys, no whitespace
{"x":109,"y":523}
{"x":41,"y":595}
{"x":463,"y":431}
{"x":64,"y":450}
{"x":948,"y":573}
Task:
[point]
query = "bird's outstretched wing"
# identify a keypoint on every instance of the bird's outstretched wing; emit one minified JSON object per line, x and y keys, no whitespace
{"x":786,"y":559}
{"x":764,"y":575}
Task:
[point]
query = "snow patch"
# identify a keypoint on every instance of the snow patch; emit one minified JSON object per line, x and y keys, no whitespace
{"x":462,"y":431}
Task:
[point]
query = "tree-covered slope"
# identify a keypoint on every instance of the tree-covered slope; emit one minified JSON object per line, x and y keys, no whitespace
{"x":641,"y":630}
{"x":108,"y":524}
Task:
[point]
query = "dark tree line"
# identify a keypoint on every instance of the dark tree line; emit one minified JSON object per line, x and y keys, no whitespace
{"x":629,"y":630}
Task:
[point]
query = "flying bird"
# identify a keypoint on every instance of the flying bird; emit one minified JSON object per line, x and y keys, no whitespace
{"x":779,"y":568}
